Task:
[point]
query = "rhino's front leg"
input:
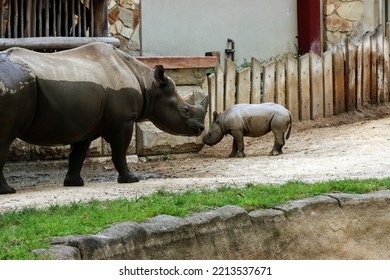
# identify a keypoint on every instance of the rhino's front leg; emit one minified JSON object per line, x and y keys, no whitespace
{"x":238,"y":144}
{"x":234,"y":149}
{"x":119,"y":145}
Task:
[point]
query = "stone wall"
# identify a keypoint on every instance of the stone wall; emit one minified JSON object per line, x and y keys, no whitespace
{"x":334,"y":226}
{"x":124,"y":23}
{"x":342,"y":19}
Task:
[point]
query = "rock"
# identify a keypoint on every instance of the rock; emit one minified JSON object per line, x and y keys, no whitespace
{"x":352,"y":11}
{"x":336,"y":23}
{"x":330,"y":8}
{"x":153,"y":141}
{"x":113,"y":15}
{"x":126,"y":16}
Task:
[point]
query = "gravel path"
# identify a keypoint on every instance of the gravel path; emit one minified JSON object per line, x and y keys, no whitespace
{"x":354,"y":145}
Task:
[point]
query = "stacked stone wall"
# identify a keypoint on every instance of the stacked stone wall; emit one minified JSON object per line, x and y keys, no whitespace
{"x":342,"y":19}
{"x":124,"y":23}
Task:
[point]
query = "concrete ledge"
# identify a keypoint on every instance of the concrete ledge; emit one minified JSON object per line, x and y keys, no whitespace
{"x":39,"y":43}
{"x":334,"y":226}
{"x":180,"y":62}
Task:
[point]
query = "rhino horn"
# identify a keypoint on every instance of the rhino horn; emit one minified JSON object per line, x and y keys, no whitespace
{"x":204,"y":103}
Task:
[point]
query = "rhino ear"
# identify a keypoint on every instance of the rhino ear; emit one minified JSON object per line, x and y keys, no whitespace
{"x":215,"y":116}
{"x":159,"y":75}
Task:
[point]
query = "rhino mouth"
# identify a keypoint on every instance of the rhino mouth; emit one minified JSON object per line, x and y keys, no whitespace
{"x":208,"y":143}
{"x":198,"y":129}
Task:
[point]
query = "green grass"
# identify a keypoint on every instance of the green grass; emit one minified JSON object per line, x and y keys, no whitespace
{"x":22,"y":231}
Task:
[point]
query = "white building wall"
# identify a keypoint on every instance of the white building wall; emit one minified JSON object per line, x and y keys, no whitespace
{"x":260,"y":28}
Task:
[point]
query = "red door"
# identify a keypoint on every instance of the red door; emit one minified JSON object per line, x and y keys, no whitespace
{"x":309,"y":26}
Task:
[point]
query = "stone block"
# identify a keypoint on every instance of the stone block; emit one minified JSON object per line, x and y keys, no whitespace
{"x":46,"y":153}
{"x":111,"y":4}
{"x":126,"y":16}
{"x":113,"y":15}
{"x":126,"y":32}
{"x":128,"y":4}
{"x":153,"y":141}
{"x":19,"y":151}
{"x":336,"y":23}
{"x":352,"y":11}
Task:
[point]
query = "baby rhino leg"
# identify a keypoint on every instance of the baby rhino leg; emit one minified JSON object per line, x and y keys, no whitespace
{"x":279,"y":126}
{"x":238,"y":144}
{"x":278,"y":144}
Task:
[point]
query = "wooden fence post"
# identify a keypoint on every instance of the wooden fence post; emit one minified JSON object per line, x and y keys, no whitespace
{"x":269,"y":82}
{"x":366,"y":90}
{"x":244,"y":86}
{"x":255,"y":81}
{"x":304,"y":87}
{"x":230,"y":83}
{"x":386,"y":70}
{"x":212,"y":95}
{"x":350,"y":75}
{"x":292,"y":87}
{"x":374,"y":74}
{"x":359,"y":76}
{"x":281,"y":83}
{"x":338,"y":81}
{"x":380,"y":63}
{"x":328,"y":83}
{"x":317,"y":86}
{"x":220,"y":96}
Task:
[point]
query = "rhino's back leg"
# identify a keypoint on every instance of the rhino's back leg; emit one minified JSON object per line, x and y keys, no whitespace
{"x":119,"y":138}
{"x":278,"y":144}
{"x":279,"y":126}
{"x":76,"y":159}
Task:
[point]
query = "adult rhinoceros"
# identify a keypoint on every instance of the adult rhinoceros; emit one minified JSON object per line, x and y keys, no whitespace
{"x":74,"y":96}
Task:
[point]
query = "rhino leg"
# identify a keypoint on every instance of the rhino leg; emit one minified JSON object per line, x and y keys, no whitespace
{"x":234,"y":149}
{"x":119,"y":144}
{"x":76,"y":159}
{"x":4,"y":187}
{"x":279,"y":126}
{"x":278,"y":144}
{"x":238,"y":144}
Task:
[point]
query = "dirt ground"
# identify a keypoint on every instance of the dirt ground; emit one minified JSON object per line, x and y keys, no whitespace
{"x":350,"y":145}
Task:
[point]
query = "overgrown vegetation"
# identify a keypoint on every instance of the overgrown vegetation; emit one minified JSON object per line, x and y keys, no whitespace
{"x":28,"y":229}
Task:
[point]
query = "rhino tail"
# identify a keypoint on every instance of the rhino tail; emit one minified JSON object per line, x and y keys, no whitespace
{"x":289,"y":127}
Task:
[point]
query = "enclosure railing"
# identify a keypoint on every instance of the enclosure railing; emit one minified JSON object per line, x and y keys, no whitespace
{"x":29,"y":22}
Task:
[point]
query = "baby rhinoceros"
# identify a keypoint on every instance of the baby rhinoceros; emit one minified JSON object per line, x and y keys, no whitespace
{"x":252,"y":120}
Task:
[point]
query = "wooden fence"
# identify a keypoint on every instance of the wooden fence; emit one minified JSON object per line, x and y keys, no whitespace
{"x":311,"y":86}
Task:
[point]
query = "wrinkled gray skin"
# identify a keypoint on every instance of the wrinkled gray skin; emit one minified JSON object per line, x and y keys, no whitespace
{"x":252,"y":120}
{"x":75,"y":96}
